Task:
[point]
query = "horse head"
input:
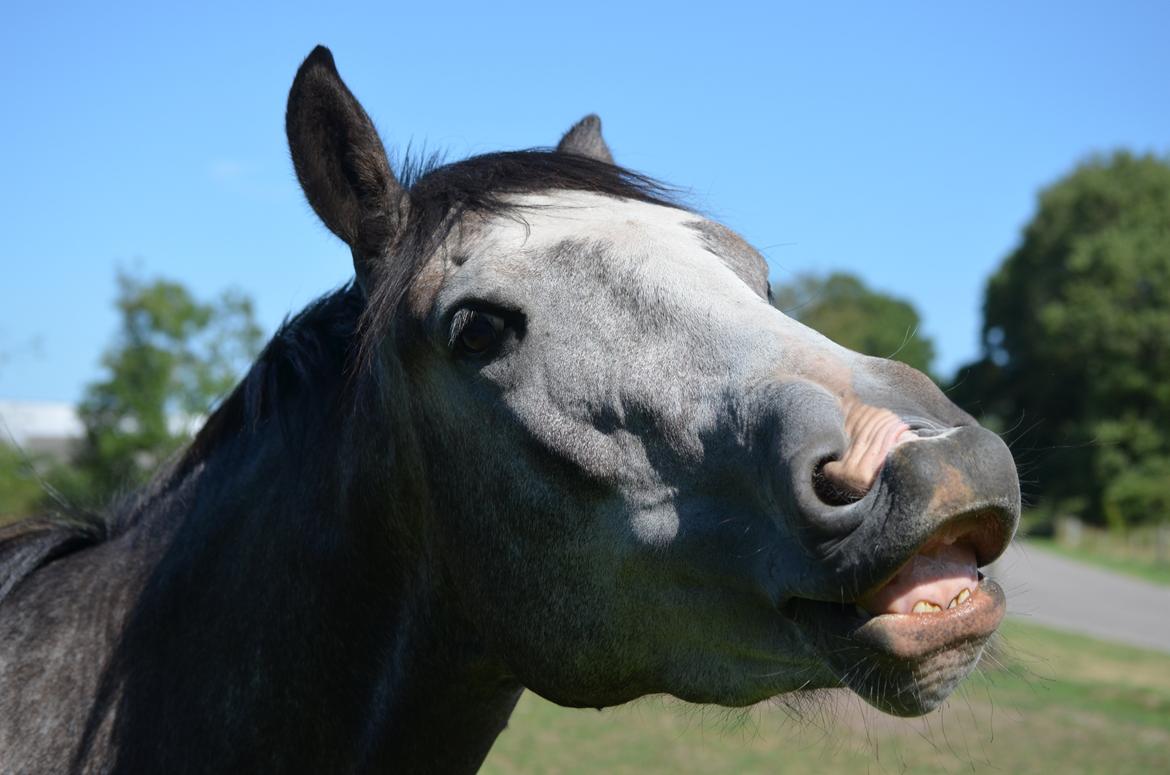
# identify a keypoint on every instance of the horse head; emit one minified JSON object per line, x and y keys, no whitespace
{"x":636,"y":475}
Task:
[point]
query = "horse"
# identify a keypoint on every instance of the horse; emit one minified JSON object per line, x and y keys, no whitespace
{"x":552,"y":436}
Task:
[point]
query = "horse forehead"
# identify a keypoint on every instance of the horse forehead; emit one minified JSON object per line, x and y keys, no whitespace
{"x":547,"y":219}
{"x":657,"y":238}
{"x":579,"y":237}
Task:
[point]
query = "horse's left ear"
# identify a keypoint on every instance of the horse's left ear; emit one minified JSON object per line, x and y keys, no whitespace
{"x":585,"y":139}
{"x":340,"y":161}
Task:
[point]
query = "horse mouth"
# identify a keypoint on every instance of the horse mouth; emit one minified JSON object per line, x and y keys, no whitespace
{"x":906,"y":643}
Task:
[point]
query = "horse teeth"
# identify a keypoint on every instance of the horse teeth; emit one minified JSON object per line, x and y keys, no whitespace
{"x":960,"y":598}
{"x":926,"y":607}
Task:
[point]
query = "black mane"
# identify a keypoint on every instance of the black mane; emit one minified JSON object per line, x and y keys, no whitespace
{"x":306,"y":358}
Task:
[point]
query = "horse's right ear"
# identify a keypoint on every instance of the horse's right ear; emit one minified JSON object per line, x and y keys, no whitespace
{"x":340,"y":161}
{"x":584,"y":139}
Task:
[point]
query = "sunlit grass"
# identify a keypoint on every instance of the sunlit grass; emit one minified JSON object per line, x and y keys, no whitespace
{"x":1043,"y":701}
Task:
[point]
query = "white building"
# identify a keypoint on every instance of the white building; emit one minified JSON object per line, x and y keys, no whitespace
{"x":41,"y":427}
{"x":53,"y":428}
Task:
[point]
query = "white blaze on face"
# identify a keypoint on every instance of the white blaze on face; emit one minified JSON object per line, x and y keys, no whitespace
{"x":650,"y":243}
{"x":656,"y":249}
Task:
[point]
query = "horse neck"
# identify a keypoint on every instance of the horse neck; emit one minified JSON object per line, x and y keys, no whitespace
{"x":297,"y":618}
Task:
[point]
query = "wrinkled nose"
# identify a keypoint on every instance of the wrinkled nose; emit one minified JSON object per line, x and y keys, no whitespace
{"x":924,"y":482}
{"x":872,"y":433}
{"x":874,"y":473}
{"x":887,"y":489}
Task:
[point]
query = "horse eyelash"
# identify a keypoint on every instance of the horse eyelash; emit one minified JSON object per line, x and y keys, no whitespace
{"x":459,"y":321}
{"x":514,"y":320}
{"x":510,"y":320}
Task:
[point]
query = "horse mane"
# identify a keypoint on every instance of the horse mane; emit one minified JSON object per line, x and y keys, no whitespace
{"x":299,"y":359}
{"x":330,"y":342}
{"x":33,"y":543}
{"x":296,"y":361}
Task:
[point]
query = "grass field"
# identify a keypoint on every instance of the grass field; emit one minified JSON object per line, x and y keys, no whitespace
{"x":1046,"y":702}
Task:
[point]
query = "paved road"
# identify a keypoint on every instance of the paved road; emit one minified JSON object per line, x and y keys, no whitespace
{"x":1048,"y":589}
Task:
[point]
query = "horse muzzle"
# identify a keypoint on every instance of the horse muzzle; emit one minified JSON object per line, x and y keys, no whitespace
{"x":895,"y":602}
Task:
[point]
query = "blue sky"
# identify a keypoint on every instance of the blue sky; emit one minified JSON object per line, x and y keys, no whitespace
{"x":903,"y":141}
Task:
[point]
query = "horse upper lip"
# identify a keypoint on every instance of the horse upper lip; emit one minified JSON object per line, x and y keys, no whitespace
{"x":980,"y":530}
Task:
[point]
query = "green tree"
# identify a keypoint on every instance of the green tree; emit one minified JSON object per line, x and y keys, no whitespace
{"x":172,"y":359}
{"x":20,"y":491}
{"x":844,"y":309}
{"x":1076,"y":341}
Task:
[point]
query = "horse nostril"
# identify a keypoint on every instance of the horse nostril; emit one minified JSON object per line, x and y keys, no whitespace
{"x":828,"y":491}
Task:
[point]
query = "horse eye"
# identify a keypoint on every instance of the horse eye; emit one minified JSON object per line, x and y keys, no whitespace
{"x":474,"y":333}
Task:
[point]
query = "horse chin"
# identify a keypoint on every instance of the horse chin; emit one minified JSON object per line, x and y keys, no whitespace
{"x":903,"y":664}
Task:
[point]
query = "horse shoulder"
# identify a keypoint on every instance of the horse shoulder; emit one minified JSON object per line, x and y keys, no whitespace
{"x":64,"y":600}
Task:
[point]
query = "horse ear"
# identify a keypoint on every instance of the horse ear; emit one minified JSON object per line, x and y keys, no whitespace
{"x":585,"y":139}
{"x":340,"y":161}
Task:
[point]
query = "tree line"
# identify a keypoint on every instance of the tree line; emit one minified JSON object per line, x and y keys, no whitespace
{"x":1074,"y":366}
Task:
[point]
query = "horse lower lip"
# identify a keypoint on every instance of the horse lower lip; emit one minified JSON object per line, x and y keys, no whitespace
{"x":903,"y":664}
{"x":903,"y":637}
{"x":913,"y":636}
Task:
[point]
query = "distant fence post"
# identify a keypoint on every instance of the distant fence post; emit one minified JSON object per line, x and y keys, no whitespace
{"x":1162,"y":544}
{"x":1070,"y":531}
